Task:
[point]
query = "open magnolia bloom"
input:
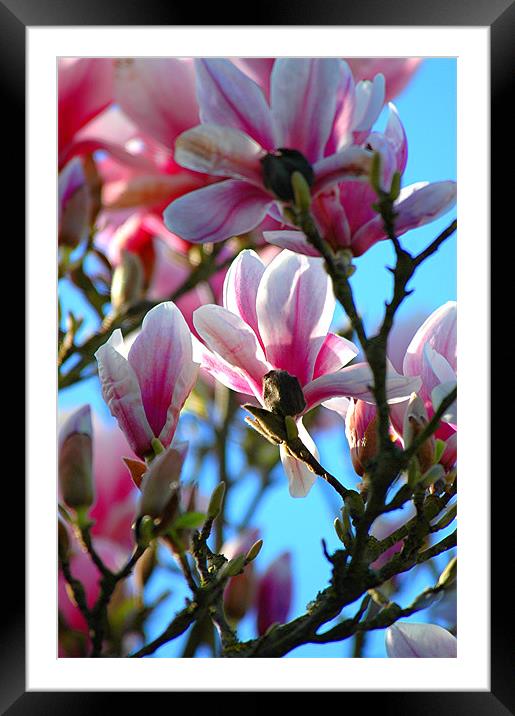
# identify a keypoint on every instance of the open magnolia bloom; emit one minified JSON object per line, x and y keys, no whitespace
{"x":146,"y":389}
{"x":315,"y":118}
{"x":344,"y":212}
{"x":277,"y":318}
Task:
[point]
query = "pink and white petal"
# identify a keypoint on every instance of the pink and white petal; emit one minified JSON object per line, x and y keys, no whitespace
{"x":396,"y":133}
{"x":437,"y":396}
{"x":241,"y":286}
{"x":300,"y":478}
{"x":355,"y":382}
{"x":397,"y":71}
{"x":439,"y":330}
{"x":336,"y":351}
{"x":85,"y":88}
{"x":224,"y":372}
{"x":161,"y":357}
{"x":220,"y":151}
{"x":293,"y":240}
{"x":350,"y":163}
{"x":305,"y":95}
{"x":450,"y":453}
{"x":227,"y":335}
{"x":417,"y":205}
{"x":228,"y":97}
{"x":338,"y":405}
{"x":122,"y":394}
{"x":369,"y":103}
{"x":406,"y":640}
{"x":158,"y":94}
{"x":217,"y":212}
{"x":295,"y":306}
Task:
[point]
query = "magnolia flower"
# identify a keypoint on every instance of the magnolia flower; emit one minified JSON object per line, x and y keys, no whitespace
{"x":424,"y":641}
{"x":315,"y":112}
{"x":75,"y":459}
{"x":277,"y":318}
{"x":344,"y":213}
{"x":274,"y":593}
{"x":432,"y":355}
{"x":146,"y":390}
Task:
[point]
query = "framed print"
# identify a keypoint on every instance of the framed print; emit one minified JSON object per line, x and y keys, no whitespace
{"x":260,"y":254}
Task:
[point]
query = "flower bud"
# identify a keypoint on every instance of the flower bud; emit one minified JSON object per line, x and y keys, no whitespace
{"x":215,"y":503}
{"x":74,"y":204}
{"x":426,"y":641}
{"x":160,"y":486}
{"x":240,"y":590}
{"x":449,"y":574}
{"x":254,"y":551}
{"x":361,"y":432}
{"x":282,"y":393}
{"x":415,"y":421}
{"x":233,"y":567}
{"x":274,"y":594}
{"x":278,"y":168}
{"x":145,"y":566}
{"x":75,"y":460}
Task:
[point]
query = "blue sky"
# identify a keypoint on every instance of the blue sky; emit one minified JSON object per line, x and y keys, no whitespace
{"x":427,"y":108}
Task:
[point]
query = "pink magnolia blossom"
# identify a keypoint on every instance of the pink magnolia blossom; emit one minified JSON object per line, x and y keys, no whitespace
{"x":397,"y":71}
{"x":277,"y":318}
{"x":315,"y":109}
{"x":274,"y":593}
{"x":405,"y":640}
{"x":344,"y":213}
{"x":146,"y":390}
{"x":432,"y":355}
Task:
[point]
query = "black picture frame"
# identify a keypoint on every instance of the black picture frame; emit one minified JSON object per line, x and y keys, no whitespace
{"x":499,"y":16}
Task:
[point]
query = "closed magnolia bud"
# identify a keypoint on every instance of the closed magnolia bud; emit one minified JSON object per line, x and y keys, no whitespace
{"x":240,"y":590}
{"x":233,"y":567}
{"x":361,"y":432}
{"x":160,"y":485}
{"x":274,"y":594}
{"x":282,"y":393}
{"x":75,"y":460}
{"x":74,"y":204}
{"x":415,"y":420}
{"x":449,"y":574}
{"x":254,"y":551}
{"x":425,"y":641}
{"x":145,"y":566}
{"x":127,"y":281}
{"x":215,"y":503}
{"x":278,"y":167}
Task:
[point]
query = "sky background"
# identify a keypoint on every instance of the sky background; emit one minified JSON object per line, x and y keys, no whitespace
{"x":427,"y":107}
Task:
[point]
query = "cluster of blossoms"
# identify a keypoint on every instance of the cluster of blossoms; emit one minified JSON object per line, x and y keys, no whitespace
{"x":215,"y":166}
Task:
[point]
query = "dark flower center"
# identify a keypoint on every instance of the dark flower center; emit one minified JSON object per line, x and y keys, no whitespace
{"x":279,"y":165}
